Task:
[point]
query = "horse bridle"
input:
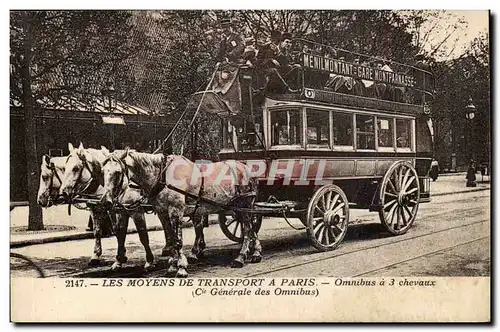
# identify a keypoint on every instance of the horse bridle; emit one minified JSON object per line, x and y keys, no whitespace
{"x":86,"y":185}
{"x":53,"y":169}
{"x":124,"y":174}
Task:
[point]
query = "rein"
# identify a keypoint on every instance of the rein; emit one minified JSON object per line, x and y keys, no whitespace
{"x":87,"y":184}
{"x":58,"y":198}
{"x":116,"y":202}
{"x":161,"y":180}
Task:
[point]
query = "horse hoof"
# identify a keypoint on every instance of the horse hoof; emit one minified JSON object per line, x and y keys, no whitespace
{"x":148,"y":266}
{"x":192,"y":259}
{"x":116,"y":266}
{"x":94,"y":262}
{"x":237,"y":263}
{"x":172,"y":269}
{"x":256,"y":259}
{"x":122,"y":260}
{"x":181,"y":273}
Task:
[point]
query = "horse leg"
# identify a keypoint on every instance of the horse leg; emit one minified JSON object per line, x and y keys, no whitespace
{"x":239,"y":261}
{"x":257,"y":248}
{"x":97,"y":216}
{"x":175,"y":216}
{"x":120,"y":226}
{"x":140,"y":225}
{"x":199,"y":242}
{"x":168,"y":248}
{"x":168,"y":251}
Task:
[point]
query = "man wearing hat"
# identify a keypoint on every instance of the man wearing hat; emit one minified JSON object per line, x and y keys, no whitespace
{"x":232,"y":46}
{"x":250,"y":53}
{"x":268,"y":62}
{"x":424,"y":80}
{"x":285,"y":59}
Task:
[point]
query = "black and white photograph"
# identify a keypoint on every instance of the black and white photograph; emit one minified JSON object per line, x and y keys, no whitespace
{"x":270,"y":155}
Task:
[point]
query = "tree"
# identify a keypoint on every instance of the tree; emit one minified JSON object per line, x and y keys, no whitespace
{"x":56,"y":54}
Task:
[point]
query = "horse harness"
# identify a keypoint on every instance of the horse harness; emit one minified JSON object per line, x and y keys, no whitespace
{"x":52,"y":168}
{"x":91,"y":185}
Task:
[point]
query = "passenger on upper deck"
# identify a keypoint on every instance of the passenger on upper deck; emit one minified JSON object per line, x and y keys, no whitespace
{"x":231,"y":46}
{"x":268,"y":63}
{"x":424,"y":81}
{"x":285,"y":59}
{"x":250,"y":54}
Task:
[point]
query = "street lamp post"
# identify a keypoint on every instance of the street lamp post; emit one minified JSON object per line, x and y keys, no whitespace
{"x":470,"y":113}
{"x":109,"y":98}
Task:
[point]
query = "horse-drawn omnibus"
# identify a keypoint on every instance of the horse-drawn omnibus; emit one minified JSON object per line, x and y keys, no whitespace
{"x":349,"y":131}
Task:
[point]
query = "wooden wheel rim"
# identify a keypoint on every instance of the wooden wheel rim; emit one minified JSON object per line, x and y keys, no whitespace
{"x":399,"y":197}
{"x":327,"y":217}
{"x":232,"y":227}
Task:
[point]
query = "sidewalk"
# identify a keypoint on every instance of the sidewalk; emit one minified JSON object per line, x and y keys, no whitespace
{"x":73,"y":226}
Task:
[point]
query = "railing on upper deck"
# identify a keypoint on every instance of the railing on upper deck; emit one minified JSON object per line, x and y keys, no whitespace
{"x":338,"y":76}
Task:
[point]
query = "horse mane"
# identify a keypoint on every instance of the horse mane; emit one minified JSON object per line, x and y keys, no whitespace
{"x":146,"y":163}
{"x":97,"y":158}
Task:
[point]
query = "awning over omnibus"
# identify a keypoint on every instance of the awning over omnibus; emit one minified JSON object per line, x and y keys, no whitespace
{"x":223,"y":95}
{"x":211,"y":103}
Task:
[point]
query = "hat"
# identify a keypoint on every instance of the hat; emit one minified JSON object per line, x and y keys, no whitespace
{"x":225,"y":21}
{"x":275,"y":34}
{"x":249,"y":41}
{"x":419,"y":56}
{"x":286,"y":35}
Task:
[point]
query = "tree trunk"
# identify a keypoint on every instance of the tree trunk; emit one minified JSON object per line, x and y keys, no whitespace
{"x":35,"y":219}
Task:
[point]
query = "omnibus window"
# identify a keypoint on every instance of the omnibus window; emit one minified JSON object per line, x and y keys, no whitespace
{"x":342,"y":129}
{"x":286,"y":127}
{"x":365,"y":132}
{"x":403,"y":133}
{"x":385,"y":130}
{"x":318,"y":127}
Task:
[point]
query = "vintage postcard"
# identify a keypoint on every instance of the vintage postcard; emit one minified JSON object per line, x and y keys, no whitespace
{"x":250,"y":166}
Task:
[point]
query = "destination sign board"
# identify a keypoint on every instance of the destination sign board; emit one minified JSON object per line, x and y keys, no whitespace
{"x":357,"y":71}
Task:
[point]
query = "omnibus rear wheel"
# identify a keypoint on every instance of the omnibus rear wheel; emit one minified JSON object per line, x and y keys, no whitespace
{"x":399,"y":197}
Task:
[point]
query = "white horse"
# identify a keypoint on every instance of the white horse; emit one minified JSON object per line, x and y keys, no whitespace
{"x":147,"y":170}
{"x":83,"y":173}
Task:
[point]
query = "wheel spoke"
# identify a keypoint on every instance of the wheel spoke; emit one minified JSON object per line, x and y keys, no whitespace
{"x":390,"y":214}
{"x":411,"y":191}
{"x":405,"y":179}
{"x":332,"y":233}
{"x":326,"y":236}
{"x":393,"y":188}
{"x":341,"y":205}
{"x":320,"y":235}
{"x":323,"y":203}
{"x":320,"y":211}
{"x":405,"y":222}
{"x":409,"y":212}
{"x":390,"y":194}
{"x":336,"y":228}
{"x":317,"y":218}
{"x":414,"y":202}
{"x":238,"y":224}
{"x":400,"y":177}
{"x":333,"y":201}
{"x":328,"y":200}
{"x":317,"y":227}
{"x":398,"y":221}
{"x":231,"y":221}
{"x":407,"y":185}
{"x":386,"y":205}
